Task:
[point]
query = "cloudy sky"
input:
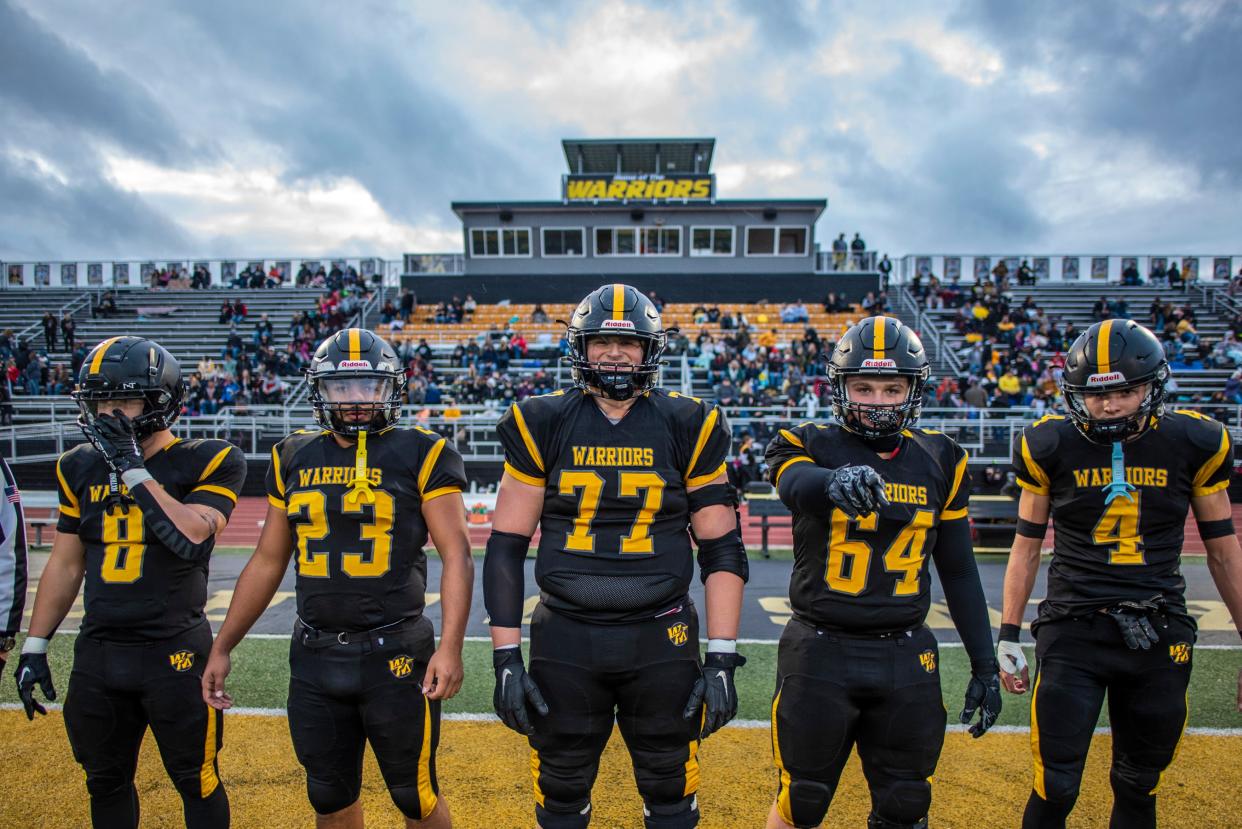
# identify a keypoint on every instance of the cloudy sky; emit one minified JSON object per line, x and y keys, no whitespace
{"x":152,"y":129}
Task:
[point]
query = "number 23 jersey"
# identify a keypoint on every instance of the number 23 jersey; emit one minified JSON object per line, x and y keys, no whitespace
{"x":1129,"y":548}
{"x":615,"y":542}
{"x":360,"y":561}
{"x":869,"y":574}
{"x":136,"y":589}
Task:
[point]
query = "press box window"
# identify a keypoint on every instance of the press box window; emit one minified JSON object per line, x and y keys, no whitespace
{"x":486,"y":242}
{"x":661,"y":241}
{"x":776,"y":241}
{"x":711,"y":241}
{"x":616,"y":241}
{"x":563,"y":241}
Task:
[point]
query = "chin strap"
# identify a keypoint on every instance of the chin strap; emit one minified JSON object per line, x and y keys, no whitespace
{"x":1118,"y":486}
{"x":360,"y":490}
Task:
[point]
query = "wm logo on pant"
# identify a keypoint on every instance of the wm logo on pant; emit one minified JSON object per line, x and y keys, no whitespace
{"x":401,"y":666}
{"x":679,"y":633}
{"x":928,"y":660}
{"x":1180,"y":653}
{"x":181,"y":661}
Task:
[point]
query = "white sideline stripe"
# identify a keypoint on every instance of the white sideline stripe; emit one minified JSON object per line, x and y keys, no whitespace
{"x":746,"y":724}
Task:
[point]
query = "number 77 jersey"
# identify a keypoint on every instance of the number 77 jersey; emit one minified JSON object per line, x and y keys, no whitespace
{"x":615,"y":542}
{"x":869,"y":574}
{"x":1120,"y":539}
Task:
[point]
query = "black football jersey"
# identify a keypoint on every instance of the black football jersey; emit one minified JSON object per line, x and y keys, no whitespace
{"x":360,"y":562}
{"x":1129,"y":548}
{"x":869,"y":574}
{"x":614,"y":534}
{"x":136,"y":589}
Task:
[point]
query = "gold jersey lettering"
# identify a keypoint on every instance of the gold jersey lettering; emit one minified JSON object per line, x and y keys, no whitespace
{"x":1100,"y":476}
{"x":613,"y":455}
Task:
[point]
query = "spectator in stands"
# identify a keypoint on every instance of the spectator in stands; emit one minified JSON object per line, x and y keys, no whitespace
{"x":1000,"y":273}
{"x":275,"y":276}
{"x":858,"y":252}
{"x":469,"y":307}
{"x":1026,"y":276}
{"x":201,"y":278}
{"x":408,"y":303}
{"x":1233,"y":387}
{"x":1176,"y":277}
{"x":795,"y":312}
{"x":77,"y":358}
{"x":239,"y":310}
{"x":538,"y":315}
{"x":262,"y":329}
{"x":1130,"y":274}
{"x":49,"y":330}
{"x":226,"y":312}
{"x":840,"y":248}
{"x":1158,"y":274}
{"x":388,"y":313}
{"x":869,"y":304}
{"x":6,"y":393}
{"x":1235,"y":284}
{"x":885,"y":268}
{"x":1102,"y":309}
{"x":656,"y":300}
{"x":834,"y":303}
{"x":1119,"y":308}
{"x":68,"y":329}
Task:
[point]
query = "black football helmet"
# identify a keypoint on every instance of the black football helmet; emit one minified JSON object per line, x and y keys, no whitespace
{"x":616,"y":310}
{"x":355,"y":370}
{"x":1114,"y":355}
{"x":881,"y":346}
{"x":127,"y":367}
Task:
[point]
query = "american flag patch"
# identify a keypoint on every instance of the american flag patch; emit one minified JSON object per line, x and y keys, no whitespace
{"x":12,"y":495}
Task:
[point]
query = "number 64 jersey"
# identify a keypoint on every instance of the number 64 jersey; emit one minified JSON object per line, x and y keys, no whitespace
{"x":615,"y":542}
{"x":1127,"y":546}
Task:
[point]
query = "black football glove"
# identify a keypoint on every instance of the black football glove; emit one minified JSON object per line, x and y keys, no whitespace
{"x":715,"y":688}
{"x":983,"y":694}
{"x":515,"y":690}
{"x":855,"y":490}
{"x":1136,"y":628}
{"x":113,"y":436}
{"x":32,"y":668}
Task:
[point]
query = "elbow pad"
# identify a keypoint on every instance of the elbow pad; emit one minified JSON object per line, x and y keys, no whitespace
{"x":166,"y":531}
{"x":726,"y":553}
{"x":504,"y":578}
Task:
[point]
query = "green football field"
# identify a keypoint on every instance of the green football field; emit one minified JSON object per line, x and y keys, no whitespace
{"x":261,"y":673}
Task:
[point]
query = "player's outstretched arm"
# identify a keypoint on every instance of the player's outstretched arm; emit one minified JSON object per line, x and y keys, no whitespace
{"x":255,"y":587}
{"x":1020,"y":572}
{"x":1214,"y":515}
{"x":446,"y":522}
{"x":518,"y":507}
{"x":58,"y":587}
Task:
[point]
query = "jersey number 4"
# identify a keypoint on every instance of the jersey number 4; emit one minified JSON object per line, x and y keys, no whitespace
{"x":312,"y":505}
{"x":630,"y":484}
{"x":1119,"y":525}
{"x":849,"y":559}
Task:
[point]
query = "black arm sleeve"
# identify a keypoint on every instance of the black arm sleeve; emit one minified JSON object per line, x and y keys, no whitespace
{"x":959,"y":575}
{"x":804,"y":488}
{"x":504,"y":578}
{"x":166,"y":531}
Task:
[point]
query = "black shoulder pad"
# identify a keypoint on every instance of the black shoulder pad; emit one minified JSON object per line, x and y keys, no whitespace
{"x":1203,"y":432}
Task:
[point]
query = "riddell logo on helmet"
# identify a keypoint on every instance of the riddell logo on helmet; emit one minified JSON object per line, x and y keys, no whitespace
{"x":354,"y":364}
{"x":879,"y":364}
{"x":1101,"y":379}
{"x":626,"y":324}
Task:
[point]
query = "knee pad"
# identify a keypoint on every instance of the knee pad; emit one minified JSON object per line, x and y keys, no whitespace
{"x":901,"y":803}
{"x":684,"y":814}
{"x":327,"y":796}
{"x":1128,"y":779}
{"x":408,"y":800}
{"x":808,"y":803}
{"x":874,"y":821}
{"x":563,"y":820}
{"x":111,"y":784}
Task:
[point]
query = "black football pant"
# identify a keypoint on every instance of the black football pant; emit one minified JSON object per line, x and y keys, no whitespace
{"x":639,"y":674}
{"x":342,"y":694}
{"x":115,"y":691}
{"x":834,"y":692}
{"x":1081,"y":660}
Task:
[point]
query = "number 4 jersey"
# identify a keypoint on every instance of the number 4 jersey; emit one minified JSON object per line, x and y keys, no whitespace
{"x":1127,"y":547}
{"x":615,"y":541}
{"x":359,"y":550}
{"x":136,"y":589}
{"x":869,"y":575}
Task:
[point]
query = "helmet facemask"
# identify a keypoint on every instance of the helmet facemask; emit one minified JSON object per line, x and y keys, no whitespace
{"x":338,"y":399}
{"x":886,"y":419}
{"x":615,"y":381}
{"x":1111,"y":430}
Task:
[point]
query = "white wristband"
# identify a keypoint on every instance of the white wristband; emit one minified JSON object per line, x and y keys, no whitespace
{"x":35,"y":644}
{"x":721,"y":646}
{"x":135,"y":478}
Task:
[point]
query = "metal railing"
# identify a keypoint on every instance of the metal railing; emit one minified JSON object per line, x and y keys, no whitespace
{"x":71,"y":307}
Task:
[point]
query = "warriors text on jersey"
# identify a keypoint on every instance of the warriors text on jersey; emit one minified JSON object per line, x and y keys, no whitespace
{"x":869,"y":575}
{"x":135,"y":588}
{"x":615,"y":542}
{"x":359,"y":550}
{"x":1129,"y":548}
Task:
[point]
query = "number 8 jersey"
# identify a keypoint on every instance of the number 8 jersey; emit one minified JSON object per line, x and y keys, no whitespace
{"x":1129,"y":547}
{"x":359,"y":555}
{"x":869,"y":575}
{"x":615,"y":541}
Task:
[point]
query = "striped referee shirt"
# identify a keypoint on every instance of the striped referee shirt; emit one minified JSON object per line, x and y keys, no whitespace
{"x":12,"y":555}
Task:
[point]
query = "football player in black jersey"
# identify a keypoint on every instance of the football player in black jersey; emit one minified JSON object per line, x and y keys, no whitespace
{"x":618,"y":475}
{"x":873,"y":498}
{"x":356,"y":501}
{"x":140,"y":511}
{"x":1118,"y":476}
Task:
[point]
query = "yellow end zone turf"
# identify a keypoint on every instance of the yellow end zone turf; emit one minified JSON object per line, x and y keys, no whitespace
{"x":485,"y":776}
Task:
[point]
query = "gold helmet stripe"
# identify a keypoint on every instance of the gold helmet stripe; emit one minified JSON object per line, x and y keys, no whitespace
{"x":1101,"y":347}
{"x":355,"y":346}
{"x":100,"y":351}
{"x":878,"y":338}
{"x":618,"y":301}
